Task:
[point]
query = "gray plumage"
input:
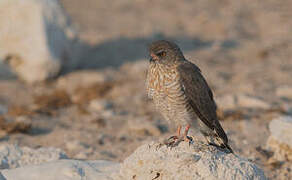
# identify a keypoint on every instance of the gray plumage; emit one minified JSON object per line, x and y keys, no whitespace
{"x":181,"y":93}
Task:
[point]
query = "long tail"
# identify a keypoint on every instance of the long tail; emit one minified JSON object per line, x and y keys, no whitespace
{"x":221,"y":137}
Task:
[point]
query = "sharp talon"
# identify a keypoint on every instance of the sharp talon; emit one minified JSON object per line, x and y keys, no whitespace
{"x":158,"y":146}
{"x":173,"y":141}
{"x":169,"y":143}
{"x":189,"y":138}
{"x":173,"y":137}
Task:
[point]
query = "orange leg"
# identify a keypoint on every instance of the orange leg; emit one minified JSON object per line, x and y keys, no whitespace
{"x":178,"y":131}
{"x":175,"y":140}
{"x":177,"y":134}
{"x":186,"y":138}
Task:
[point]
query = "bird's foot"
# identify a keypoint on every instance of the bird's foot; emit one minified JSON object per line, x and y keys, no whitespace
{"x":171,"y":141}
{"x":189,"y":139}
{"x":175,"y":140}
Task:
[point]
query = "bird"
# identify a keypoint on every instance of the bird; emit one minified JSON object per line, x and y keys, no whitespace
{"x":182,"y":95}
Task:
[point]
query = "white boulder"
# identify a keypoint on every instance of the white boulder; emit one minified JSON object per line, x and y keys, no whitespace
{"x":13,"y":156}
{"x":64,"y":170}
{"x":150,"y":161}
{"x":280,"y":140}
{"x":35,"y":38}
{"x":195,"y":161}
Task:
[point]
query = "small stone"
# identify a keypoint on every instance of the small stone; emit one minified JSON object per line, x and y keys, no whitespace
{"x":37,"y":43}
{"x":280,"y":140}
{"x":100,"y":105}
{"x":73,"y":145}
{"x":13,"y":156}
{"x":281,"y":129}
{"x":81,"y":155}
{"x":284,"y":91}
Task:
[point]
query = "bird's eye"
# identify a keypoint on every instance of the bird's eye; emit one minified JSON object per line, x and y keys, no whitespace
{"x":161,"y":54}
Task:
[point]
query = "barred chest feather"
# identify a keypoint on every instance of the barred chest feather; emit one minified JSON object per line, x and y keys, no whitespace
{"x":164,"y":88}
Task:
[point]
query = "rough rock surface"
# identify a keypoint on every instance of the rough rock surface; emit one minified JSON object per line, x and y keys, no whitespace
{"x":196,"y":161}
{"x":13,"y":156}
{"x":280,"y":141}
{"x":35,"y":38}
{"x":64,"y":170}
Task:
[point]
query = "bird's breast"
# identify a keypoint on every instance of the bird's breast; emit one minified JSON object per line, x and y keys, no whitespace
{"x":168,"y":94}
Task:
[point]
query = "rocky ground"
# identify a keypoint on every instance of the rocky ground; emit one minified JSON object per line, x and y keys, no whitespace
{"x":101,"y":110}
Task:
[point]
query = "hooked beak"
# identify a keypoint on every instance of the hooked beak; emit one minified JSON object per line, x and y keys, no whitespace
{"x":153,"y":57}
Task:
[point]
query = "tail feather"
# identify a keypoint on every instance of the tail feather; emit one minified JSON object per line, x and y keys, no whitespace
{"x":221,"y":137}
{"x":229,"y":148}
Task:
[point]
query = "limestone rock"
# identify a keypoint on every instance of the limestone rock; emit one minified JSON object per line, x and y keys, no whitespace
{"x":230,"y":102}
{"x":13,"y":156}
{"x":197,"y":161}
{"x":280,"y":141}
{"x":64,"y":170}
{"x":35,"y":38}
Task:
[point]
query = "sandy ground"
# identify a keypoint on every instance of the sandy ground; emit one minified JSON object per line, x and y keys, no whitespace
{"x":101,"y":111}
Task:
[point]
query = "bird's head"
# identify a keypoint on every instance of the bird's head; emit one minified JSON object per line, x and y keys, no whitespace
{"x":163,"y":51}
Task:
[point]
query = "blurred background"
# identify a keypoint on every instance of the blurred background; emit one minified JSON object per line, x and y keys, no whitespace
{"x":72,"y":72}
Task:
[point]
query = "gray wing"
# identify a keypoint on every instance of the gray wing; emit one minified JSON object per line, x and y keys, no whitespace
{"x":200,"y":96}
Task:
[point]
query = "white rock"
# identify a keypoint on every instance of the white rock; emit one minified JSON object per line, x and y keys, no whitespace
{"x":251,"y":102}
{"x":73,"y":145}
{"x":281,"y":129}
{"x":64,"y":170}
{"x":226,"y":102}
{"x":280,"y":141}
{"x":100,"y":105}
{"x":35,"y":37}
{"x":230,"y":102}
{"x":196,"y":161}
{"x":13,"y":156}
